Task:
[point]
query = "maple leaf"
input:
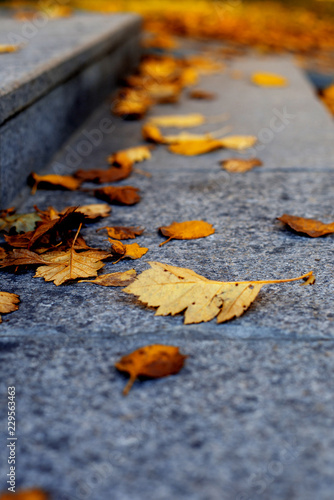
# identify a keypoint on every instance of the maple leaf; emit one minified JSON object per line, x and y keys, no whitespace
{"x":201,"y":94}
{"x":189,"y":230}
{"x":70,"y":265}
{"x":125,"y":195}
{"x":311,"y":227}
{"x":269,"y":80}
{"x":174,"y":289}
{"x":26,"y":495}
{"x":122,"y":233}
{"x":130,"y":155}
{"x":153,"y":361}
{"x":240,"y":165}
{"x":8,"y":303}
{"x":4,"y":49}
{"x":53,"y":180}
{"x":132,"y":251}
{"x":113,"y":279}
{"x":19,"y":222}
{"x":102,"y":175}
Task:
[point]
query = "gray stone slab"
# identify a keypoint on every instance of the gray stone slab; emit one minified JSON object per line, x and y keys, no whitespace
{"x":242,"y":420}
{"x":63,"y":80}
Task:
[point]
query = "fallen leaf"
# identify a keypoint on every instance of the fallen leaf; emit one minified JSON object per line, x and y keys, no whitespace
{"x":311,"y":227}
{"x":22,"y":257}
{"x":3,"y":253}
{"x":204,"y":65}
{"x":20,"y":222}
{"x":240,"y":165}
{"x":103,"y":176}
{"x":131,"y":155}
{"x":70,"y":265}
{"x":189,"y":230}
{"x":132,"y":103}
{"x":63,"y":181}
{"x":269,"y":80}
{"x":174,"y":290}
{"x":122,"y":232}
{"x":152,"y":133}
{"x":125,"y":195}
{"x":132,"y":251}
{"x":195,"y":147}
{"x":153,"y":361}
{"x":182,"y":121}
{"x":26,"y":495}
{"x":5,"y":49}
{"x":94,"y":211}
{"x":238,"y":142}
{"x":8,"y":303}
{"x":201,"y":94}
{"x":114,"y":279}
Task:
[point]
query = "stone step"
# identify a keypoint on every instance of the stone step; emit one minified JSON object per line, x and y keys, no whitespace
{"x":65,"y":69}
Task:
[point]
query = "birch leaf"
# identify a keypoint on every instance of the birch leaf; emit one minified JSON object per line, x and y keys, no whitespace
{"x":311,"y":227}
{"x":189,"y":230}
{"x":173,"y":290}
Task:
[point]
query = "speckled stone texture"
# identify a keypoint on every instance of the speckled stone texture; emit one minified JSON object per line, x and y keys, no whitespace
{"x":49,"y":87}
{"x":250,"y":417}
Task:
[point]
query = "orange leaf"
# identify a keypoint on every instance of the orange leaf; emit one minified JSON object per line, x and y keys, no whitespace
{"x":269,"y":80}
{"x":201,"y":94}
{"x":311,"y":227}
{"x":25,"y":495}
{"x":8,"y":303}
{"x":113,"y":279}
{"x":122,"y":233}
{"x":153,"y":361}
{"x":63,"y":181}
{"x":102,"y":175}
{"x":130,"y":155}
{"x":125,"y":195}
{"x":189,"y":230}
{"x":239,"y":165}
{"x":132,"y":251}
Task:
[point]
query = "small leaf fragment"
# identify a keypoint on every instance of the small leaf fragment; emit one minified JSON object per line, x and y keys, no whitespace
{"x":8,"y":303}
{"x":202,"y":95}
{"x":312,"y":227}
{"x":153,"y":361}
{"x":188,"y":230}
{"x":5,"y":49}
{"x":34,"y":494}
{"x":131,"y":251}
{"x":113,"y":279}
{"x":269,"y":80}
{"x":238,"y":165}
{"x":238,"y":142}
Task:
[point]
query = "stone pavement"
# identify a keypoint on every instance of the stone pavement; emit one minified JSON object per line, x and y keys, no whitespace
{"x":250,"y":417}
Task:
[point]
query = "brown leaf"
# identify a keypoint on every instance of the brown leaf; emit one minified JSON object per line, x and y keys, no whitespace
{"x":174,"y":290}
{"x":26,"y":495}
{"x":201,"y":94}
{"x":3,"y":253}
{"x":8,"y":303}
{"x":153,"y":361}
{"x":311,"y":227}
{"x":238,"y":165}
{"x":122,"y":233}
{"x":103,"y":176}
{"x":113,"y":279}
{"x":22,"y":257}
{"x":94,"y":211}
{"x":59,"y":181}
{"x":132,"y":251}
{"x":189,"y":230}
{"x":125,"y":195}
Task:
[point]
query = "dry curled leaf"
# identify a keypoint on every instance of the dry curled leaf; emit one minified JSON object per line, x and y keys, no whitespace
{"x":132,"y":103}
{"x":122,"y":232}
{"x":102,"y":175}
{"x":131,"y":155}
{"x":152,"y":361}
{"x":201,"y":95}
{"x":53,"y":180}
{"x":94,"y":211}
{"x":311,"y":227}
{"x":151,"y":133}
{"x":123,"y":251}
{"x":189,"y":230}
{"x":124,"y":278}
{"x":174,"y":290}
{"x":8,"y":303}
{"x":269,"y":80}
{"x":26,"y":495}
{"x":238,"y":165}
{"x":125,"y":195}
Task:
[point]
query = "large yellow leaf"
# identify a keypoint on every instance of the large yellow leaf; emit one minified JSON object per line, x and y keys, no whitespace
{"x":174,"y":290}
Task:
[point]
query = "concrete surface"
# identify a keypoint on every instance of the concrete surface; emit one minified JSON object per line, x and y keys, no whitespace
{"x":250,"y":417}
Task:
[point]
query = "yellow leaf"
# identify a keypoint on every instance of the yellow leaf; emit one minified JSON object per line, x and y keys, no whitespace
{"x":4,"y":49}
{"x":189,"y":230}
{"x":8,"y":303}
{"x":237,"y":165}
{"x":64,"y":181}
{"x":182,"y":121}
{"x":195,"y":147}
{"x":132,"y":251}
{"x":269,"y":80}
{"x":113,"y":279}
{"x":154,"y":361}
{"x":174,"y":290}
{"x":134,"y":155}
{"x":238,"y":142}
{"x":152,"y":133}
